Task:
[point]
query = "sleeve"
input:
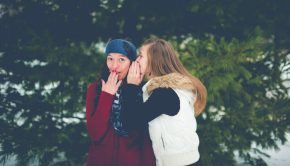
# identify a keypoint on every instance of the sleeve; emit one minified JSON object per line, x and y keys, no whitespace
{"x":98,"y":123}
{"x":137,"y":113}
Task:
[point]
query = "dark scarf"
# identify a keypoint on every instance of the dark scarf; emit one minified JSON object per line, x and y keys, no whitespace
{"x":116,"y":113}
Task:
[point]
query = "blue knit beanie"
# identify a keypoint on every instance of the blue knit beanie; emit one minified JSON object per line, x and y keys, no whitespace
{"x":123,"y":47}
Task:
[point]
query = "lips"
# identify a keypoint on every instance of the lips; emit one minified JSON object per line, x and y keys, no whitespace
{"x":114,"y":71}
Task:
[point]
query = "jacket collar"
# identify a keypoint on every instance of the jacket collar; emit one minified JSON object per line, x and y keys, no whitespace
{"x":173,"y":80}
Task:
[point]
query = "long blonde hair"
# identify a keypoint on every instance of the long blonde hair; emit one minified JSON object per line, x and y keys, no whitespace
{"x":166,"y":61}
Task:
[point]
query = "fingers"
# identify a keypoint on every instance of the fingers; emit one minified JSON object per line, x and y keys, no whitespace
{"x":110,"y":77}
{"x":119,"y":84}
{"x":113,"y":78}
{"x":135,"y":68}
{"x":138,"y":69}
{"x":131,"y":69}
{"x":134,"y":75}
{"x":112,"y":84}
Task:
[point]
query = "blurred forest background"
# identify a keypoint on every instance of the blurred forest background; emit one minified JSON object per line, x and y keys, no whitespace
{"x":51,"y":49}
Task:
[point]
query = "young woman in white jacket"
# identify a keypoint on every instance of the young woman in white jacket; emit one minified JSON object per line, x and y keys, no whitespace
{"x":172,"y":98}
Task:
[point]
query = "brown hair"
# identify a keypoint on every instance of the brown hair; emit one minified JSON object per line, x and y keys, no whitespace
{"x":166,"y":61}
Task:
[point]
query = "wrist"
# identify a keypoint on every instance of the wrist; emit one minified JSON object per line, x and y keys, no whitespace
{"x":108,"y":91}
{"x":133,"y":83}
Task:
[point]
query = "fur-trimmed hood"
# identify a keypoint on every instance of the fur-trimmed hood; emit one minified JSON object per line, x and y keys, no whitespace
{"x":173,"y":80}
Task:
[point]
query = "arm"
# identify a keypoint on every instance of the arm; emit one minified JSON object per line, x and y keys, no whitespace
{"x":98,"y":123}
{"x":138,"y":114}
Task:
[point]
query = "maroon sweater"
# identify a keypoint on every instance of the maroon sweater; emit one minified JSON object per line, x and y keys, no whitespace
{"x":108,"y":148}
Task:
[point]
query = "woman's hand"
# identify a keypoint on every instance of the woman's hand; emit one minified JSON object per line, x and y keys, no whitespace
{"x":112,"y":85}
{"x":134,"y":76}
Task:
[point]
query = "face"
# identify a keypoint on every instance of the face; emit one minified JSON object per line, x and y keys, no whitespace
{"x":143,"y":59}
{"x":118,"y":63}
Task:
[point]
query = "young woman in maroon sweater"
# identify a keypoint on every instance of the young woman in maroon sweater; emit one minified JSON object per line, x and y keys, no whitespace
{"x":112,"y":145}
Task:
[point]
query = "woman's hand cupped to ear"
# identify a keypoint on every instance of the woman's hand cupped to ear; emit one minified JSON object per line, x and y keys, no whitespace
{"x":134,"y":75}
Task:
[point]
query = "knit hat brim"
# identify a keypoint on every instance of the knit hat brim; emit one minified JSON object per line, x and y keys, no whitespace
{"x":123,"y":47}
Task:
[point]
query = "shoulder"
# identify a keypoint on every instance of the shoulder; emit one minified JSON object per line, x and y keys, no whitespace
{"x":91,"y":88}
{"x":92,"y":85}
{"x":164,"y":92}
{"x":168,"y":99}
{"x":165,"y":95}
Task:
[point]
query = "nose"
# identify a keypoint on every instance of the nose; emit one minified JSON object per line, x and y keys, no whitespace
{"x":115,"y":65}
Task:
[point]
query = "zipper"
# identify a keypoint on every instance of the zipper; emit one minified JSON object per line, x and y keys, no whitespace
{"x":163,"y":142}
